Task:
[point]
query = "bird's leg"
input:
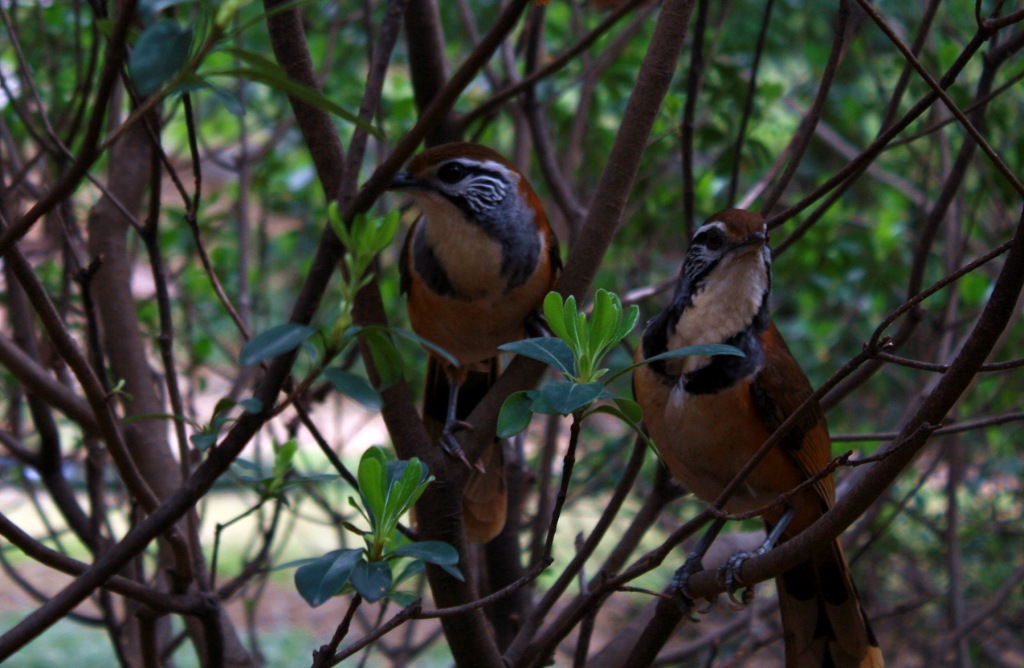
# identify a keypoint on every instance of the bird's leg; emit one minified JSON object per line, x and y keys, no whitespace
{"x":730,"y":570}
{"x":452,"y":424}
{"x":536,"y":326}
{"x":694,"y":564}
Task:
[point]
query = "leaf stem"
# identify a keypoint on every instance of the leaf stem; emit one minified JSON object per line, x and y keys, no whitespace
{"x":568,"y":462}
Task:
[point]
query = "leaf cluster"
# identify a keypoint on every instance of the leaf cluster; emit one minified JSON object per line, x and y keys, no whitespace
{"x":387,"y":490}
{"x":577,"y":351}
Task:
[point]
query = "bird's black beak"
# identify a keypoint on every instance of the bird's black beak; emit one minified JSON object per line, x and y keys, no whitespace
{"x":753,"y":239}
{"x":403,"y":180}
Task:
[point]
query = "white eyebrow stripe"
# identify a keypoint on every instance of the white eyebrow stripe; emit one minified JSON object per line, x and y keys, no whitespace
{"x":706,"y":226}
{"x":490,"y":165}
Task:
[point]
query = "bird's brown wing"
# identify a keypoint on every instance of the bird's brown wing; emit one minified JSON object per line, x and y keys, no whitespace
{"x":485,"y":498}
{"x":822,"y":618}
{"x":404,"y":275}
{"x":777,"y":395}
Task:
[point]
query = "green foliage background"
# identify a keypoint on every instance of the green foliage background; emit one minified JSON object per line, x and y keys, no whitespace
{"x":831,"y":288}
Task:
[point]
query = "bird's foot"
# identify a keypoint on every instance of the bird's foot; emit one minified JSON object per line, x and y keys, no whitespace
{"x":680,"y":586}
{"x":537,"y":326}
{"x":450,"y":444}
{"x":729,"y":573}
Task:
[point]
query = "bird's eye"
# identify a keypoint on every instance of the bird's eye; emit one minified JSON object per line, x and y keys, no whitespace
{"x":453,"y":172}
{"x":714,"y":239}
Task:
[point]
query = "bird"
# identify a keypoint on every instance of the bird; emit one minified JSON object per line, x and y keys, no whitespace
{"x":707,"y":415}
{"x":476,"y":266}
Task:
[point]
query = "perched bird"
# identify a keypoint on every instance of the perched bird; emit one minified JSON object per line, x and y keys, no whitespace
{"x":476,"y":266}
{"x":708,"y":415}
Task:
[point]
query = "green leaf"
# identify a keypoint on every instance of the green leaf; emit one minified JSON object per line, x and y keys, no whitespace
{"x":565,"y":397}
{"x":412,"y":569}
{"x":572,"y":336}
{"x":226,"y":12}
{"x":418,"y":492}
{"x":150,"y":8}
{"x":270,"y":73}
{"x":371,"y":579}
{"x":431,"y":551}
{"x":553,"y":352}
{"x":105,"y":27}
{"x":415,"y":474}
{"x":685,"y":351}
{"x":355,"y":387}
{"x":119,"y":389}
{"x":354,"y":529}
{"x":604,"y":320}
{"x":407,"y":479}
{"x":385,"y":231}
{"x":188,"y":82}
{"x":277,"y":80}
{"x":403,"y":598}
{"x":403,"y":478}
{"x":283,"y":456}
{"x":337,"y":224}
{"x":218,"y":421}
{"x":624,"y":409}
{"x":275,"y":341}
{"x":627,"y":325}
{"x":251,"y":405}
{"x":704,"y":349}
{"x":361,"y":225}
{"x":359,"y":508}
{"x":343,"y":333}
{"x":452,"y":571}
{"x":373,"y":483}
{"x":429,"y":345}
{"x":160,"y":52}
{"x":365,"y":240}
{"x":630,"y":409}
{"x":554,"y":315}
{"x":247,"y":465}
{"x":305,"y":480}
{"x":539,"y":405}
{"x":155,"y":416}
{"x":292,"y":564}
{"x":321,"y":579}
{"x":204,"y":440}
{"x":223,"y":405}
{"x":395,"y":470}
{"x":385,"y":356}
{"x":515,"y":414}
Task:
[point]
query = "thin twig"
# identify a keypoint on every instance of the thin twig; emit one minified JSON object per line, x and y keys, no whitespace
{"x":959,"y":427}
{"x":876,"y":337}
{"x":805,"y":132}
{"x":89,"y":151}
{"x":415,"y":610}
{"x":748,"y":104}
{"x":553,"y":66}
{"x":694,"y":80}
{"x":180,"y":603}
{"x":410,"y":611}
{"x":939,"y":90}
{"x":323,"y":656}
{"x":568,"y":461}
{"x":565,"y":578}
{"x":192,"y":218}
{"x":855,"y":167}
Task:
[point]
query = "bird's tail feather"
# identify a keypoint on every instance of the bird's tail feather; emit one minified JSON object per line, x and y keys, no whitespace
{"x":485,"y":498}
{"x":823,"y":621}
